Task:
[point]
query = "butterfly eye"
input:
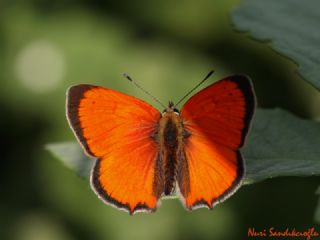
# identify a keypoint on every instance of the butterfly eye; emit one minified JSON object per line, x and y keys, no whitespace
{"x":176,"y":111}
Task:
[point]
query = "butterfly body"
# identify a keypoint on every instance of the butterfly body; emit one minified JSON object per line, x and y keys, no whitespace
{"x":170,"y":138}
{"x":143,"y":155}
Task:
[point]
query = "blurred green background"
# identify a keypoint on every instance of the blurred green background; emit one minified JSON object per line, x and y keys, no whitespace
{"x":168,"y":47}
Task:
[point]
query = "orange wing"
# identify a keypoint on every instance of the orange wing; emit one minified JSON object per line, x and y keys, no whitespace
{"x":118,"y":130}
{"x":217,"y":120}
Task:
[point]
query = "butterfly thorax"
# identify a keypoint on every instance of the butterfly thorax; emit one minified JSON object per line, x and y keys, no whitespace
{"x":170,"y":139}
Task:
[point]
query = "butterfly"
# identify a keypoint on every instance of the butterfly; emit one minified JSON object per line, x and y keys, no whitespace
{"x":143,"y":155}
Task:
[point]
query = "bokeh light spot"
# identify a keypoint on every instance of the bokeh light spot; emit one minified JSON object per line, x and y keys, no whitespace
{"x":38,"y":226}
{"x":40,"y":66}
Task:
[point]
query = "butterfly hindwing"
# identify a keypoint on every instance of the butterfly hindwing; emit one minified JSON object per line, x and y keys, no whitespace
{"x":117,"y":129}
{"x":217,"y":120}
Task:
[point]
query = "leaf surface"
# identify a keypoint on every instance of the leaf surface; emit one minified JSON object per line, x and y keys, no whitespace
{"x":291,"y":26}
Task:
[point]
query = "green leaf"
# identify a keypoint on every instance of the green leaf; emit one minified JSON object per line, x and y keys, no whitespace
{"x":72,"y":155}
{"x":279,"y":144}
{"x":292,"y":26}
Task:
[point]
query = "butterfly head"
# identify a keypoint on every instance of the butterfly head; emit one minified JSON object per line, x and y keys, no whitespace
{"x":170,"y":109}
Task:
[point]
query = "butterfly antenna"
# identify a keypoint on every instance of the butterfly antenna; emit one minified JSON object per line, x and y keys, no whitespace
{"x":143,"y":90}
{"x":208,"y":75}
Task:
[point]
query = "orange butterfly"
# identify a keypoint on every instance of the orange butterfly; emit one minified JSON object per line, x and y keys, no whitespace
{"x":143,"y":154}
